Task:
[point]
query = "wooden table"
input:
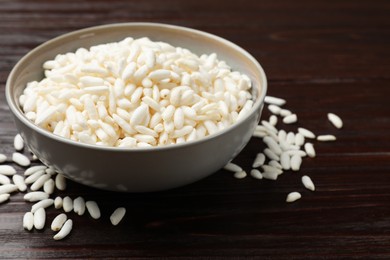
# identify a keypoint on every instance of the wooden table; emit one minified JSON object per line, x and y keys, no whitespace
{"x":322,"y":56}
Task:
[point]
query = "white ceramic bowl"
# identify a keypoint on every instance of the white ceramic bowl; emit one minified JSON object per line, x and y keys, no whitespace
{"x":138,"y":169}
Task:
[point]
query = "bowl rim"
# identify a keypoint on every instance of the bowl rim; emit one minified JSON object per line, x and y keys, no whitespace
{"x":12,"y":76}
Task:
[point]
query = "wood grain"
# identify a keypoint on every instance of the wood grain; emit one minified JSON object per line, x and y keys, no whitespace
{"x":321,"y":56}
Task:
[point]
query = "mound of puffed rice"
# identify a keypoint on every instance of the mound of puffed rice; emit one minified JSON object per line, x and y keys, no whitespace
{"x":136,"y":93}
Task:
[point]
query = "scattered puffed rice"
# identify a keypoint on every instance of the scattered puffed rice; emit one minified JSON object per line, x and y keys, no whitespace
{"x":309,"y":148}
{"x":39,"y":182}
{"x":272,"y":145}
{"x":65,"y":230}
{"x":19,"y":182}
{"x":274,"y":109}
{"x":274,"y":101}
{"x":335,"y":120}
{"x":8,"y":188}
{"x":273,"y":120}
{"x":308,"y":183}
{"x":50,"y":171}
{"x":290,"y":138}
{"x":60,"y":182}
{"x":48,"y":187}
{"x":20,"y":159}
{"x":293,"y":196}
{"x":35,"y":196}
{"x":295,"y":162}
{"x":34,"y":169}
{"x":4,"y":197}
{"x":232,"y":167}
{"x":4,"y":179}
{"x":240,"y":174}
{"x":28,"y":221}
{"x":58,"y":222}
{"x":290,"y":119}
{"x":117,"y":216}
{"x":285,"y":161}
{"x":272,"y":169}
{"x":255,"y":173}
{"x":67,"y":204}
{"x":58,"y":202}
{"x":42,"y":204}
{"x":39,"y":218}
{"x":299,"y":139}
{"x":79,"y":206}
{"x":269,"y":127}
{"x":296,"y":152}
{"x":259,"y":160}
{"x":325,"y":138}
{"x":275,"y":164}
{"x":270,"y":175}
{"x":7,"y":170}
{"x":270,"y":154}
{"x":34,"y":176}
{"x":259,"y":134}
{"x":285,"y":112}
{"x":93,"y":209}
{"x":306,"y":133}
{"x":18,"y":142}
{"x":3,"y":158}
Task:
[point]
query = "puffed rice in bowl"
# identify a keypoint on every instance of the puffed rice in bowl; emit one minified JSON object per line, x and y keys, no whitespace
{"x":116,"y":141}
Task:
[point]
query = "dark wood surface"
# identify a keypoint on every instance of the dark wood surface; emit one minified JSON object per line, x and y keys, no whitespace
{"x":321,"y":56}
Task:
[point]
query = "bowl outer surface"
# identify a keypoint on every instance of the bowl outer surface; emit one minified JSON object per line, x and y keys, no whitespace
{"x":142,"y":169}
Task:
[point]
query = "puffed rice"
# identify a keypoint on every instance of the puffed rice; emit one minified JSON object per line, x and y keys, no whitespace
{"x":255,"y":173}
{"x":28,"y":221}
{"x":240,"y":174}
{"x":35,"y":196}
{"x":67,"y":204}
{"x":326,"y":138}
{"x":8,"y":188}
{"x":4,"y":179}
{"x":117,"y":216}
{"x":308,"y":183}
{"x":7,"y":170}
{"x":45,"y":203}
{"x":58,"y":222}
{"x":39,"y":218}
{"x":93,"y":209}
{"x":60,"y":182}
{"x":172,"y":82}
{"x":20,"y":159}
{"x":19,"y":182}
{"x":232,"y":167}
{"x":18,"y":142}
{"x":4,"y":197}
{"x":3,"y":158}
{"x":293,"y":196}
{"x":335,"y":120}
{"x":65,"y":230}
